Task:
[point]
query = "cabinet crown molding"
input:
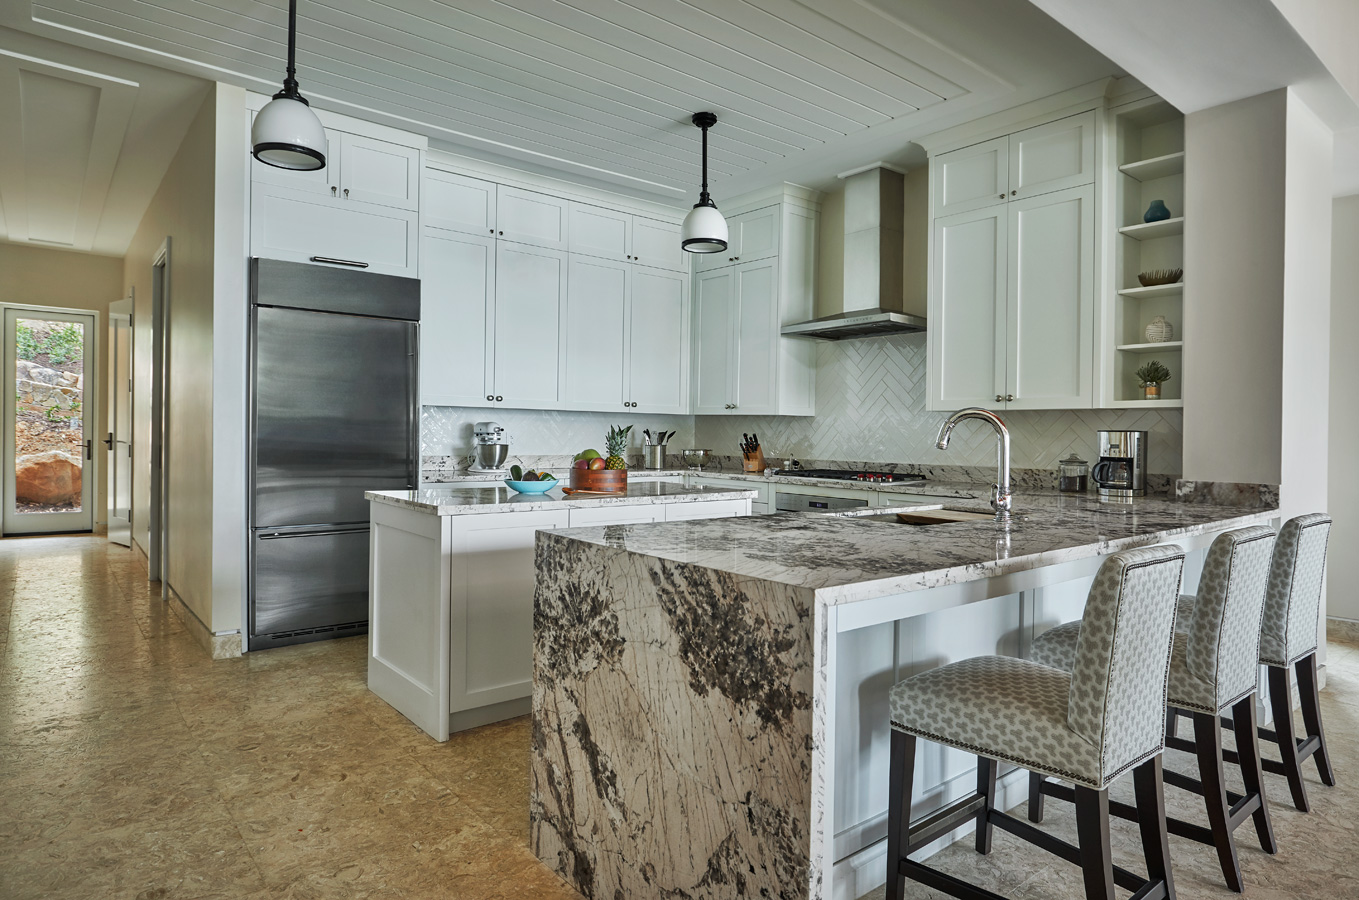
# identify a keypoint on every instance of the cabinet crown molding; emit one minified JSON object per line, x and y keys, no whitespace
{"x":1036,"y":112}
{"x":790,"y":195}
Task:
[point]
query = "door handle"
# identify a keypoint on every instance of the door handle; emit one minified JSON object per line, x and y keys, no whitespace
{"x":340,"y":262}
{"x":89,"y":448}
{"x":108,"y":441}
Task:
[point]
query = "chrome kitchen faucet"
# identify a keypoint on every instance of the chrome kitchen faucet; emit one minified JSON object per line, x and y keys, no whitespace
{"x":1001,"y":493}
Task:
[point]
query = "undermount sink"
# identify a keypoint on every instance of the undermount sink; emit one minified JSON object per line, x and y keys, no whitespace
{"x":931,"y":517}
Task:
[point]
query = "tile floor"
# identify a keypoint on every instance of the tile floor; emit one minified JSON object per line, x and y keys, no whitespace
{"x":132,"y":766}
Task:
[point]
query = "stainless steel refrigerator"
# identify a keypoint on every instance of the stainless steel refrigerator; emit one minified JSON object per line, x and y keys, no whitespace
{"x":334,"y":412}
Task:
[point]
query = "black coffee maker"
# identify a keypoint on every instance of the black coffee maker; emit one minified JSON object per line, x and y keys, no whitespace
{"x":1121,"y":472}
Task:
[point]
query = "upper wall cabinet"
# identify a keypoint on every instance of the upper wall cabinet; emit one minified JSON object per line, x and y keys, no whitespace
{"x":458,"y":203}
{"x":528,"y":217}
{"x":751,"y":236}
{"x":1039,"y":160}
{"x":623,"y":237}
{"x":359,"y":169}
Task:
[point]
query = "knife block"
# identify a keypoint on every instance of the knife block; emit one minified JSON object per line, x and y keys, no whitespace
{"x":753,"y":462}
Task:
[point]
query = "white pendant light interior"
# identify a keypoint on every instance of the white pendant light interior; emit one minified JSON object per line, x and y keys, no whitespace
{"x":286,"y":132}
{"x":705,"y":231}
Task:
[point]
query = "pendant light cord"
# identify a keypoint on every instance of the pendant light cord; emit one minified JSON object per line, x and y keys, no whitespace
{"x":703,"y":192}
{"x":290,"y":90}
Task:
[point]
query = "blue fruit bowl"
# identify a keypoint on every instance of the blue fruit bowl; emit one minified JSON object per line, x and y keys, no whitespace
{"x":531,"y":487}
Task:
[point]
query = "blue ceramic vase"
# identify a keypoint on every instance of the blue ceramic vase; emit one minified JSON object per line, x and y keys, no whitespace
{"x":1157,"y":212}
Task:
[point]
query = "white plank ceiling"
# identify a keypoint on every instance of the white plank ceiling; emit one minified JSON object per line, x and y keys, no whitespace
{"x":602,"y":90}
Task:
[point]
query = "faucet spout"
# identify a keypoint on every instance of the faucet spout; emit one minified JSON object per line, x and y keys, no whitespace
{"x":1001,"y":492}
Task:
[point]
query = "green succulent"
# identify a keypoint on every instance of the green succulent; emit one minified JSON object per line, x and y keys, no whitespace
{"x":1153,"y":373}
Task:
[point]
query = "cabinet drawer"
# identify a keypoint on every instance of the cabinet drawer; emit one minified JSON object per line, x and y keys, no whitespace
{"x":298,"y":225}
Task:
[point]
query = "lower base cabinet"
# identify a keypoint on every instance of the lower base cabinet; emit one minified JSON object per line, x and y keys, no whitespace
{"x":451,"y":605}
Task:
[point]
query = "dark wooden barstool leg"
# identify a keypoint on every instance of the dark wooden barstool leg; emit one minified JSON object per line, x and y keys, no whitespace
{"x":986,"y":786}
{"x":1281,"y":702}
{"x":1151,"y":821}
{"x":1311,"y":715}
{"x":1035,"y":797}
{"x":1092,"y":829}
{"x":1248,"y":753}
{"x":900,"y":784}
{"x":1208,"y":746}
{"x":1171,"y":718}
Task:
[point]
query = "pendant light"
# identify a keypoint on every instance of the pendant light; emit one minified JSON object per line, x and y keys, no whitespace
{"x":287,"y":133}
{"x":705,"y":231}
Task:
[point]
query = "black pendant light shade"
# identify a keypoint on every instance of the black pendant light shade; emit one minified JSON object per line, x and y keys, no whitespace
{"x":705,"y":231}
{"x":286,"y":132}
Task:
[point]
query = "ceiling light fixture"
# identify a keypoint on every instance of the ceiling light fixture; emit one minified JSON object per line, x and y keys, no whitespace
{"x":286,"y":132}
{"x":705,"y":231}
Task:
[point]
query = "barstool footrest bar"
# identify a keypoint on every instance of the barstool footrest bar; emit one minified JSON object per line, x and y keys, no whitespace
{"x":1194,"y":786}
{"x":940,"y":822}
{"x":1177,"y":827}
{"x":1241,"y":810}
{"x":1019,"y":828}
{"x":941,"y":881}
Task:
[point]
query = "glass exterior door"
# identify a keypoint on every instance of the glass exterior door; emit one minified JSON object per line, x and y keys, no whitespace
{"x":49,"y":423}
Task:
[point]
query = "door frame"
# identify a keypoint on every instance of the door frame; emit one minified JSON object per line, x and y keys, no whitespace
{"x":118,"y":310}
{"x":92,"y":403}
{"x":158,"y":524}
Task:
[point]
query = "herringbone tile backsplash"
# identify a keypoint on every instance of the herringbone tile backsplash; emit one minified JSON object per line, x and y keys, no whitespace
{"x":870,"y":402}
{"x":870,"y":397}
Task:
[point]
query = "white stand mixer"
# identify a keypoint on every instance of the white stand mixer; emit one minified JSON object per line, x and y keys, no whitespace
{"x":490,"y":449}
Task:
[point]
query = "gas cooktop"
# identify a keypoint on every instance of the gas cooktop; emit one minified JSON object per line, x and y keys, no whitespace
{"x":851,"y":475}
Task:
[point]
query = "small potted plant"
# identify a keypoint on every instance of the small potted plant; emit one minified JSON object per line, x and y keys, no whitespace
{"x":1151,"y":376}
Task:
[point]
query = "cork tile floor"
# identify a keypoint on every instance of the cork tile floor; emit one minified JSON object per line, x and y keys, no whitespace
{"x":132,"y":766}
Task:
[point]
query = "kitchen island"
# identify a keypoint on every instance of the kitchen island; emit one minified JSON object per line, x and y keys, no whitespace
{"x":686,"y":712}
{"x":451,"y":578}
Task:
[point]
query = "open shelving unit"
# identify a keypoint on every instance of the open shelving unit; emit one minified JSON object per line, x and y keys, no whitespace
{"x":1148,"y":139}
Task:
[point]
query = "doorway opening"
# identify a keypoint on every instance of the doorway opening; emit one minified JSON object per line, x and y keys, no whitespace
{"x":49,"y":478}
{"x":118,"y":443}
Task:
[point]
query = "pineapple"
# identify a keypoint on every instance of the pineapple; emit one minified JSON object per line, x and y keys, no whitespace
{"x":616,"y":444}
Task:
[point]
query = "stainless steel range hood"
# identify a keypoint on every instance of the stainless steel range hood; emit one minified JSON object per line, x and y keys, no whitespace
{"x":873,"y":297}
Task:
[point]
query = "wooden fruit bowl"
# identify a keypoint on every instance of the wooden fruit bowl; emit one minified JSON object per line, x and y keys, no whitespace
{"x":599,"y":479}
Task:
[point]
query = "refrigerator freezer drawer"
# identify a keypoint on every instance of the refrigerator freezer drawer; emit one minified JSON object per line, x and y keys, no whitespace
{"x":308,"y":579}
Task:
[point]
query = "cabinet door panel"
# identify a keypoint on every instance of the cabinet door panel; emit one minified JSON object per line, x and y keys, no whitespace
{"x":713,"y":326}
{"x":457,"y":328}
{"x":1051,"y":300}
{"x":379,"y":172}
{"x":971,"y":178}
{"x":757,"y":338}
{"x":596,"y":231}
{"x":459,"y":203}
{"x":530,"y":291}
{"x":658,"y":342}
{"x":1053,"y":157}
{"x":755,"y":235}
{"x":298,"y":225}
{"x":967,"y":310}
{"x":528,"y":217}
{"x":596,"y":334}
{"x":657,"y":244}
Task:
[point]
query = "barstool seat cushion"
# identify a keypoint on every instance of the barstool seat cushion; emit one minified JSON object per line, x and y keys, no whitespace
{"x":1008,"y":709}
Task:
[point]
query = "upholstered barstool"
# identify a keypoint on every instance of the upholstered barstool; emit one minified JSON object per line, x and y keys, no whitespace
{"x":1088,"y":726}
{"x":1212,"y":669}
{"x":1288,"y":638}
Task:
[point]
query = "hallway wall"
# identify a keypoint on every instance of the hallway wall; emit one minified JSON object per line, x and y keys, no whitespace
{"x":40,"y":276}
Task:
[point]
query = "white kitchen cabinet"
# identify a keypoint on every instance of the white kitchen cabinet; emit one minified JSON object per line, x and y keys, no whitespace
{"x":967,"y":337}
{"x":742,"y":365}
{"x":658,"y":342}
{"x":530,"y":292}
{"x":306,"y":226}
{"x":1049,"y":323}
{"x":656,"y":244}
{"x":457,"y":319}
{"x":617,"y":515}
{"x":528,"y":217}
{"x":1039,"y":160}
{"x":595,"y":231}
{"x":751,"y":236}
{"x":971,"y":178}
{"x":455,"y":202}
{"x":380,"y":172}
{"x":596,"y":334}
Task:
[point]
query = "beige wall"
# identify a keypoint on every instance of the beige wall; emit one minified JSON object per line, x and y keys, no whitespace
{"x":1343,"y":486}
{"x":830,"y":249}
{"x":182,"y":211}
{"x":39,"y":276}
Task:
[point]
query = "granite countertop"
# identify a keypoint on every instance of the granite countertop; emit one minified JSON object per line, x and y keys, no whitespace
{"x":560,"y":471}
{"x":962,"y":490}
{"x":451,"y":500}
{"x":850,"y":556}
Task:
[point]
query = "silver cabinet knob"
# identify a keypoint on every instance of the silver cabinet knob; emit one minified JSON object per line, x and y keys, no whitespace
{"x":1012,"y":193}
{"x":1009,"y":398}
{"x":999,"y":398}
{"x":332,"y":190}
{"x":492,"y":231}
{"x":346,"y":193}
{"x":499,"y":399}
{"x":492,"y":397}
{"x":1002,"y":196}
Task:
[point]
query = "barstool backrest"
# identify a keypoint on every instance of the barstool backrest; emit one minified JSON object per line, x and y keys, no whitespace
{"x":1222,"y":645}
{"x":1118,"y":680}
{"x":1288,"y":630}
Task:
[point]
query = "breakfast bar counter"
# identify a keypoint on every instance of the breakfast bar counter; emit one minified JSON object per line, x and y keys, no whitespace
{"x":686,"y":711}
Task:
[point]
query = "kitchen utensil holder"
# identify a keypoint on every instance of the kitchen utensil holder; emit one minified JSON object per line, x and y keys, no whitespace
{"x":753,"y":462}
{"x":653,"y":456}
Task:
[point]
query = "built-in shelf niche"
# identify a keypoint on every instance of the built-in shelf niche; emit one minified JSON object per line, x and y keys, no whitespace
{"x":1149,"y":142}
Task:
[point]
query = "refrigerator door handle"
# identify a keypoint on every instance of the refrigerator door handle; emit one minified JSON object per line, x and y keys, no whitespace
{"x":277,"y":535}
{"x":413,"y":423}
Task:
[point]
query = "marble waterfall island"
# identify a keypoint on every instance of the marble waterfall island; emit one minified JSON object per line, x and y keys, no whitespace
{"x":685,"y":696}
{"x":451,"y":577}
